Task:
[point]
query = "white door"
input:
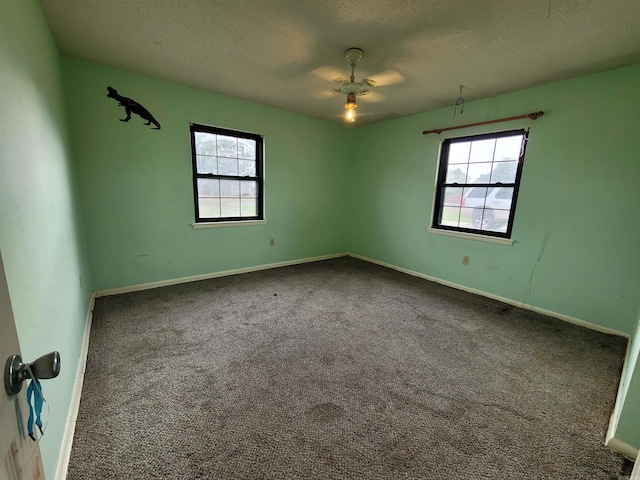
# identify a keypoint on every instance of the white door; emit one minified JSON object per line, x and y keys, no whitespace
{"x":19,"y":455}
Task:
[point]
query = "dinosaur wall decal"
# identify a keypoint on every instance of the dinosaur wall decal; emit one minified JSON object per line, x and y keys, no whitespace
{"x":131,"y":106}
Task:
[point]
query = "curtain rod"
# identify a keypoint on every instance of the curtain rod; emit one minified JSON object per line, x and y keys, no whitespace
{"x":532,"y":116}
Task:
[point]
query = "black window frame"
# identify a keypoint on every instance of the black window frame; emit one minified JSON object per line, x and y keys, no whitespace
{"x":441,"y":184}
{"x":258,"y":178}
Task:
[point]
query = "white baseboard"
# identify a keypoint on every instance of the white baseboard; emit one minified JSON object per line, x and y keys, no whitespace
{"x":206,"y":276}
{"x":515,"y":303}
{"x":72,"y":415}
{"x":225,"y":273}
{"x":622,"y":448}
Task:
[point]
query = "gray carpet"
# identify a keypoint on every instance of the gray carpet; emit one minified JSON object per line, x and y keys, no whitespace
{"x":340,"y":369}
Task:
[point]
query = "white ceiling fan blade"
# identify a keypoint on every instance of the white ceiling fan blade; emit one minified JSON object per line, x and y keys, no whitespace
{"x":325,"y":94}
{"x":371,"y":97}
{"x":382,"y":79}
{"x":329,"y":73}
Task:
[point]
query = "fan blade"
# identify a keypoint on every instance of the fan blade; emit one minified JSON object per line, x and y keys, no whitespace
{"x":382,"y":79}
{"x":371,"y":97}
{"x":329,"y":73}
{"x":325,"y":94}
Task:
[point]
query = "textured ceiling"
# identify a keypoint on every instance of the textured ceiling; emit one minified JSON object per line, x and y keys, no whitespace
{"x":285,"y":52}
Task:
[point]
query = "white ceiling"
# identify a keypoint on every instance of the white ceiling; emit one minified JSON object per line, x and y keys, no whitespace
{"x":276,"y":52}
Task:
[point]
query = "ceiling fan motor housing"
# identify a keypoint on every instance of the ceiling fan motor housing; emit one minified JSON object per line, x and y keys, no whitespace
{"x":352,"y":87}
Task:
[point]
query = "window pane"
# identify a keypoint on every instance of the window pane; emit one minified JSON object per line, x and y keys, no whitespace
{"x":450,"y":216}
{"x":500,"y":199}
{"x":227,"y":146}
{"x":248,"y":207}
{"x":508,"y":148}
{"x":465,"y":217}
{"x":505,"y":193}
{"x":205,"y":143}
{"x":459,"y":152}
{"x":246,"y":148}
{"x":504,"y":172}
{"x":208,"y":187}
{"x":482,"y":150}
{"x":209,"y":207}
{"x":248,"y":189}
{"x":477,"y":192}
{"x":227,"y":166}
{"x":453,"y":196}
{"x":230,"y":207}
{"x":456,"y":174}
{"x":475,"y":197}
{"x":247,"y":168}
{"x":479,"y":173}
{"x":206,"y":164}
{"x":230,"y":188}
{"x":481,"y":219}
{"x":499,"y":220}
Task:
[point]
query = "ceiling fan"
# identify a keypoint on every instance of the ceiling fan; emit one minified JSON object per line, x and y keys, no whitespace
{"x":351,"y":88}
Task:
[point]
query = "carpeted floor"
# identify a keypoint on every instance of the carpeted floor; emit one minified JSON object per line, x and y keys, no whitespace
{"x":340,"y":369}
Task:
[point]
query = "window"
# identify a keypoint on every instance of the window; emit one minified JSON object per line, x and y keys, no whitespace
{"x":478,"y":181}
{"x":227,"y":174}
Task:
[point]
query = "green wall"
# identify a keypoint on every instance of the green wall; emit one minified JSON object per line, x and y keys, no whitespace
{"x":577,"y":210}
{"x":40,"y":238}
{"x":137,"y":192}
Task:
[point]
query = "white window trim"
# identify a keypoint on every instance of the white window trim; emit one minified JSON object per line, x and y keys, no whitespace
{"x":237,"y":223}
{"x":472,"y":236}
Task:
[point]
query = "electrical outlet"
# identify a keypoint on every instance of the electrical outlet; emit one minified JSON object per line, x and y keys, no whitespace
{"x":272,"y":242}
{"x":465,"y":260}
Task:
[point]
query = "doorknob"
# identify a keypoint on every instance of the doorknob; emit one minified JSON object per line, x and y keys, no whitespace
{"x":16,"y":372}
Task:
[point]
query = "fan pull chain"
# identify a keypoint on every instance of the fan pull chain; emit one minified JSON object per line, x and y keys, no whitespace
{"x":459,"y":103}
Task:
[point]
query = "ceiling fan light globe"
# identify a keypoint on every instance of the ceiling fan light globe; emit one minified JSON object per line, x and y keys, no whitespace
{"x":350,"y":116}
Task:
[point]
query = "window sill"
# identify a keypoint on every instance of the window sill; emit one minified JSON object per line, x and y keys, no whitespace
{"x":471,"y":236}
{"x":239,"y":223}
